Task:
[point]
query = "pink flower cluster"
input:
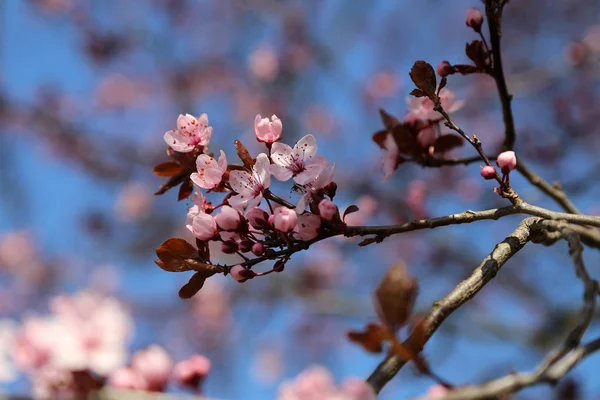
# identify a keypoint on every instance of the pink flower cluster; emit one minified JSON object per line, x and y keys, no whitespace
{"x":238,"y":222}
{"x":84,"y":332}
{"x":316,"y":383}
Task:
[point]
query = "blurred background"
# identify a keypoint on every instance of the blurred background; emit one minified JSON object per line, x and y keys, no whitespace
{"x":89,"y":88}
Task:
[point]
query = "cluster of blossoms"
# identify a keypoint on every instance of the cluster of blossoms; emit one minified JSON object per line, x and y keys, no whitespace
{"x":82,"y":345}
{"x":251,"y":220}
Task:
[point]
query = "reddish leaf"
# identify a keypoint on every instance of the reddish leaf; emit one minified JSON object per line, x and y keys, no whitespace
{"x":446,"y":143}
{"x":406,"y":141}
{"x":465,"y":69}
{"x":476,"y":52}
{"x":423,"y":76}
{"x":395,"y":297}
{"x":389,"y":121}
{"x":167,"y":169}
{"x":379,"y":138}
{"x":174,"y":253}
{"x":173,"y":181}
{"x":351,"y":209}
{"x":243,"y":154}
{"x":193,"y":286}
{"x":418,"y":93}
{"x":187,"y":187}
{"x":372,"y":338}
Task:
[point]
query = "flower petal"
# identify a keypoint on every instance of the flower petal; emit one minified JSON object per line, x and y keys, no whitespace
{"x":261,"y":168}
{"x":240,"y":182}
{"x":177,"y":142}
{"x":280,"y":173}
{"x":222,"y":162}
{"x":305,"y":148}
{"x":280,"y":153}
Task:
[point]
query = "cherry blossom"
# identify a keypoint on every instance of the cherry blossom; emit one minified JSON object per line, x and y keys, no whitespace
{"x":422,"y":107}
{"x":327,"y":209}
{"x":324,"y":178}
{"x":267,"y":131}
{"x":228,"y":219}
{"x":474,"y":19}
{"x":250,"y":185}
{"x":154,"y":364}
{"x":285,"y":219}
{"x":128,"y":379}
{"x":202,"y":225}
{"x":190,"y":132}
{"x":507,"y":161}
{"x":308,"y":226}
{"x":192,"y":371}
{"x":241,"y":274}
{"x":488,"y":172}
{"x":210,"y":172}
{"x":391,"y":157}
{"x":257,"y":217}
{"x":299,"y":162}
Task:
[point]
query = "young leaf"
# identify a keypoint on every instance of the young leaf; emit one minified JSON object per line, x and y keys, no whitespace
{"x":389,"y":121}
{"x":193,"y":286}
{"x":351,"y":209}
{"x":243,"y":154}
{"x":418,"y":93}
{"x":187,"y":187}
{"x":372,"y":338}
{"x":406,"y":141}
{"x":173,"y":181}
{"x":167,"y":169}
{"x":447,"y":142}
{"x":423,"y":76}
{"x":173,"y":254}
{"x":395,"y":297}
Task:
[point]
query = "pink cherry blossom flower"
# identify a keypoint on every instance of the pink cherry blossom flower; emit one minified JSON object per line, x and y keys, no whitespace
{"x":202,"y":225}
{"x":127,"y":379}
{"x":357,"y":389}
{"x":210,"y":172}
{"x":507,"y":161}
{"x":190,"y":132}
{"x":474,"y":19}
{"x":488,"y":172}
{"x":250,"y":185}
{"x":422,"y":107}
{"x":228,"y":219}
{"x":267,"y":131}
{"x":241,"y":274}
{"x":391,"y":157}
{"x":308,"y":226}
{"x":154,"y":364}
{"x":299,"y":162}
{"x":324,"y":178}
{"x":327,"y":209}
{"x":285,"y":219}
{"x":191,"y":372}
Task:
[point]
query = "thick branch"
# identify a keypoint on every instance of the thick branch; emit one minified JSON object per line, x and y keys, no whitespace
{"x":468,"y":288}
{"x":560,"y":361}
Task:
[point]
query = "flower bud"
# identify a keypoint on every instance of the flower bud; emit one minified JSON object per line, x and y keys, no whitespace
{"x":284,"y":219}
{"x":127,"y":379}
{"x":258,"y":249}
{"x":507,"y":161}
{"x":229,"y":247}
{"x":257,"y":218}
{"x":267,"y":131}
{"x":191,"y":372}
{"x":307,"y":227}
{"x":445,"y":68}
{"x":327,"y":209}
{"x":228,"y":219}
{"x":154,"y":364}
{"x":279,"y":266}
{"x":241,"y":274}
{"x":474,"y":19}
{"x":246,"y":245}
{"x":488,"y":172}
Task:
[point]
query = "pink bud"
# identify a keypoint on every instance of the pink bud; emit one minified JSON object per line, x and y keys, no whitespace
{"x":228,"y":219}
{"x":327,"y":209}
{"x":154,"y":365}
{"x":488,"y":172}
{"x":241,"y":274}
{"x":257,"y":218}
{"x":258,"y":249}
{"x":191,"y":372}
{"x":267,"y":131}
{"x":445,"y":69}
{"x":308,"y":226}
{"x":474,"y":19}
{"x":284,"y":219}
{"x":128,"y":379}
{"x":507,"y":161}
{"x":437,"y":391}
{"x":246,"y":245}
{"x":271,"y":219}
{"x":203,"y":226}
